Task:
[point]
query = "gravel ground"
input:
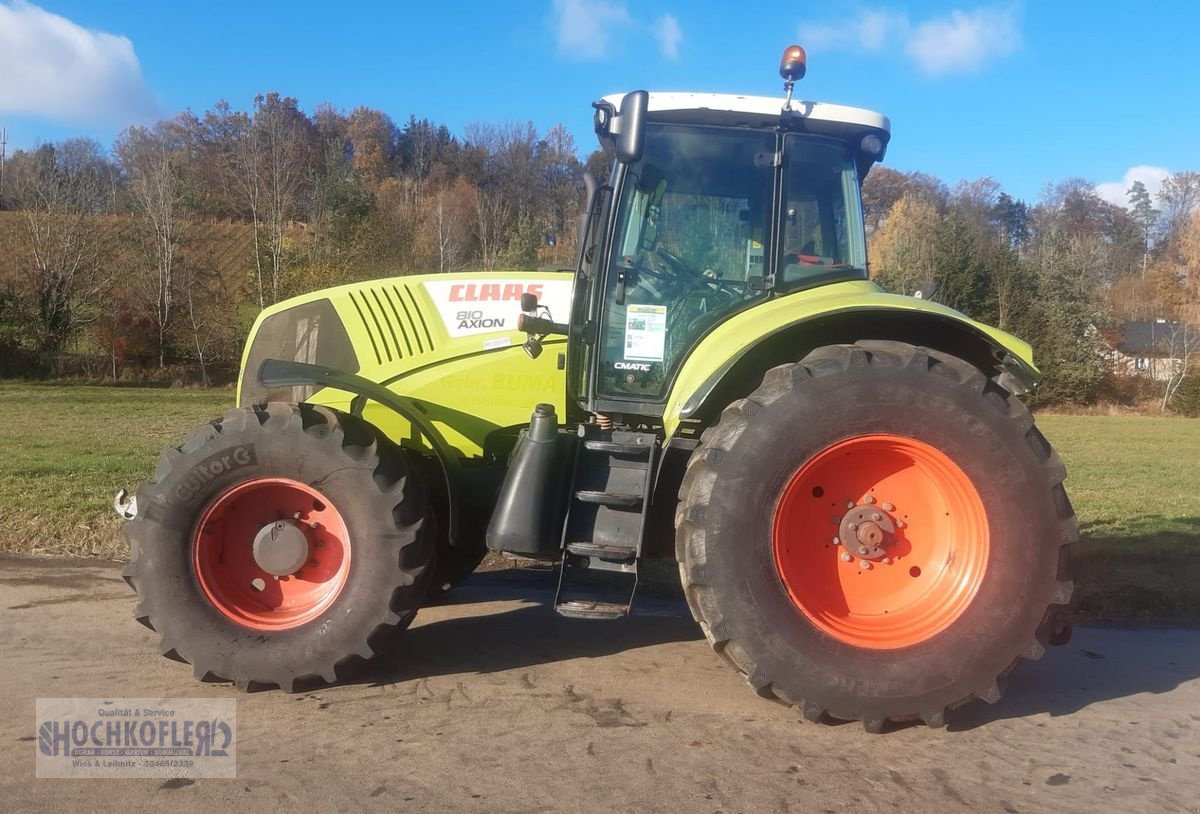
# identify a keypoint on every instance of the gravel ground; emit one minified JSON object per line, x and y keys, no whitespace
{"x":494,"y":704}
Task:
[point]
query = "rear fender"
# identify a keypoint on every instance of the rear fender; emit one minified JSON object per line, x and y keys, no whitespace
{"x":731,"y":360}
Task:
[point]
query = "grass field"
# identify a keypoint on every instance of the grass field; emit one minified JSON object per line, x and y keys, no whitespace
{"x":1135,"y":483}
{"x":67,"y":449}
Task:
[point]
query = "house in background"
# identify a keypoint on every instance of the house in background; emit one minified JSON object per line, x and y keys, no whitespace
{"x":1155,"y":350}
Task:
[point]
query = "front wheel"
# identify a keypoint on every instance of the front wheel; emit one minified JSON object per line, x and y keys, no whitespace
{"x":280,"y":544}
{"x":878,"y":533}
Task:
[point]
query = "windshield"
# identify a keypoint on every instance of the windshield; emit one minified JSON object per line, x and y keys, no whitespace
{"x":692,"y":229}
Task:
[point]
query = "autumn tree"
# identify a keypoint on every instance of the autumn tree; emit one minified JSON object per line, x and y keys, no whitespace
{"x":60,"y":189}
{"x":1179,"y":197}
{"x":284,"y":151}
{"x":451,"y":224}
{"x":902,"y":248}
{"x":156,"y":189}
{"x":885,"y":186}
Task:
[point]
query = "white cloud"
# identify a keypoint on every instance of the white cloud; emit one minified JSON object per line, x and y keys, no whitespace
{"x":959,"y":42}
{"x":870,"y":30}
{"x":54,"y":69}
{"x":669,"y":35}
{"x":583,"y":27}
{"x":964,"y":41}
{"x":1117,"y":192}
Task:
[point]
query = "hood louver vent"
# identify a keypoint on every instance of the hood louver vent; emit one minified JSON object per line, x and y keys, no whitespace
{"x":393,"y":321}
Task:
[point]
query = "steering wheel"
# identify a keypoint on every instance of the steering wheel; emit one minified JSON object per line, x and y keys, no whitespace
{"x":685,"y":273}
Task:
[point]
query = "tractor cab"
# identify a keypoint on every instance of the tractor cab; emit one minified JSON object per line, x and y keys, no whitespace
{"x":716,"y":204}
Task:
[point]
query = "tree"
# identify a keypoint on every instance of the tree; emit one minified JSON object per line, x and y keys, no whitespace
{"x":1182,"y":342}
{"x":959,"y":266}
{"x":1068,"y":311}
{"x":902,"y":248}
{"x":1145,"y":215}
{"x":885,"y":186}
{"x":599,"y":164}
{"x":1179,"y":196}
{"x":282,"y":139}
{"x":1189,"y":249}
{"x":1012,"y":216}
{"x":235,"y":141}
{"x":492,"y":215}
{"x":61,"y":188}
{"x":372,"y":136}
{"x":451,"y":224}
{"x":156,"y":187}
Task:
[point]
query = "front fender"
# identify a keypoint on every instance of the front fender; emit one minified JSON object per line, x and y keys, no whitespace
{"x":730,"y":360}
{"x":285,"y":373}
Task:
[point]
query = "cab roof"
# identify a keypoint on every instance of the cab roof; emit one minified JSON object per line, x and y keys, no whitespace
{"x":732,"y":109}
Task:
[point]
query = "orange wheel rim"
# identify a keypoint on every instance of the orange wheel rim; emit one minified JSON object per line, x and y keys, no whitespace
{"x":881,"y":541}
{"x":229,"y":565}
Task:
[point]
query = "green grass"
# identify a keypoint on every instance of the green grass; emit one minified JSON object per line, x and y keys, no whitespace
{"x":1135,"y":483}
{"x":66,"y":449}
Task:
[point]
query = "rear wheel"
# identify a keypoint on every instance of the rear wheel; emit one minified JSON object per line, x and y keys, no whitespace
{"x":279,"y":544}
{"x":877,"y":533}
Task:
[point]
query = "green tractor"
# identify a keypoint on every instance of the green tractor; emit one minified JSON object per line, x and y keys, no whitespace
{"x":868,"y":525}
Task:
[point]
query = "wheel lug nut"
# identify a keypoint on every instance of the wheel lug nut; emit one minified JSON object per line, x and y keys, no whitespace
{"x":877,"y":517}
{"x":849,"y":504}
{"x":887,"y":507}
{"x":887,"y":560}
{"x":846,"y":556}
{"x":865,"y":565}
{"x":899,"y":524}
{"x":862,"y":551}
{"x":296,"y":516}
{"x":869,"y":499}
{"x":837,"y":541}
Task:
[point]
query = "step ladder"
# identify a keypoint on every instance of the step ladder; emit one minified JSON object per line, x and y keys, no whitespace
{"x":606,"y":520}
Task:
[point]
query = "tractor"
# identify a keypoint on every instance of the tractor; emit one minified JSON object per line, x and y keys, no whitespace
{"x":868,"y":526}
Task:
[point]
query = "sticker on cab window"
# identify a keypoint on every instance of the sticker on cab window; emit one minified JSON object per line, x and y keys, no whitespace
{"x":645,"y":332}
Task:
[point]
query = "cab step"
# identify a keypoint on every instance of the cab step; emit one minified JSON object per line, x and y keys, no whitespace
{"x":618,"y":448}
{"x":614,"y":553}
{"x":576,"y":609}
{"x":614,"y":499}
{"x":606,"y":519}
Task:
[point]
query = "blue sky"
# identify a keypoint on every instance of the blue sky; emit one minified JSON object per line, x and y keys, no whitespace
{"x":1024,"y":92}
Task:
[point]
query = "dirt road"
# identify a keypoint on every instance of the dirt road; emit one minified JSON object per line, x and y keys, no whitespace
{"x":493,"y":703}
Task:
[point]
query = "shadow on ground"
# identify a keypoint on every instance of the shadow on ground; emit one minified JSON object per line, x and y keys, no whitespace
{"x":1138,"y":569}
{"x":529,"y":635}
{"x":1099,"y":664}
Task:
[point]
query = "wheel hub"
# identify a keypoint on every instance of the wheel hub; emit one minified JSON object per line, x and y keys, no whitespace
{"x":866,"y":531}
{"x":280,"y":548}
{"x":271,"y":553}
{"x":911,"y":547}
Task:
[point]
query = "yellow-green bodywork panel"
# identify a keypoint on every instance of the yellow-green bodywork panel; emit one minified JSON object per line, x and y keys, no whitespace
{"x":733,"y":337}
{"x":447,"y":341}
